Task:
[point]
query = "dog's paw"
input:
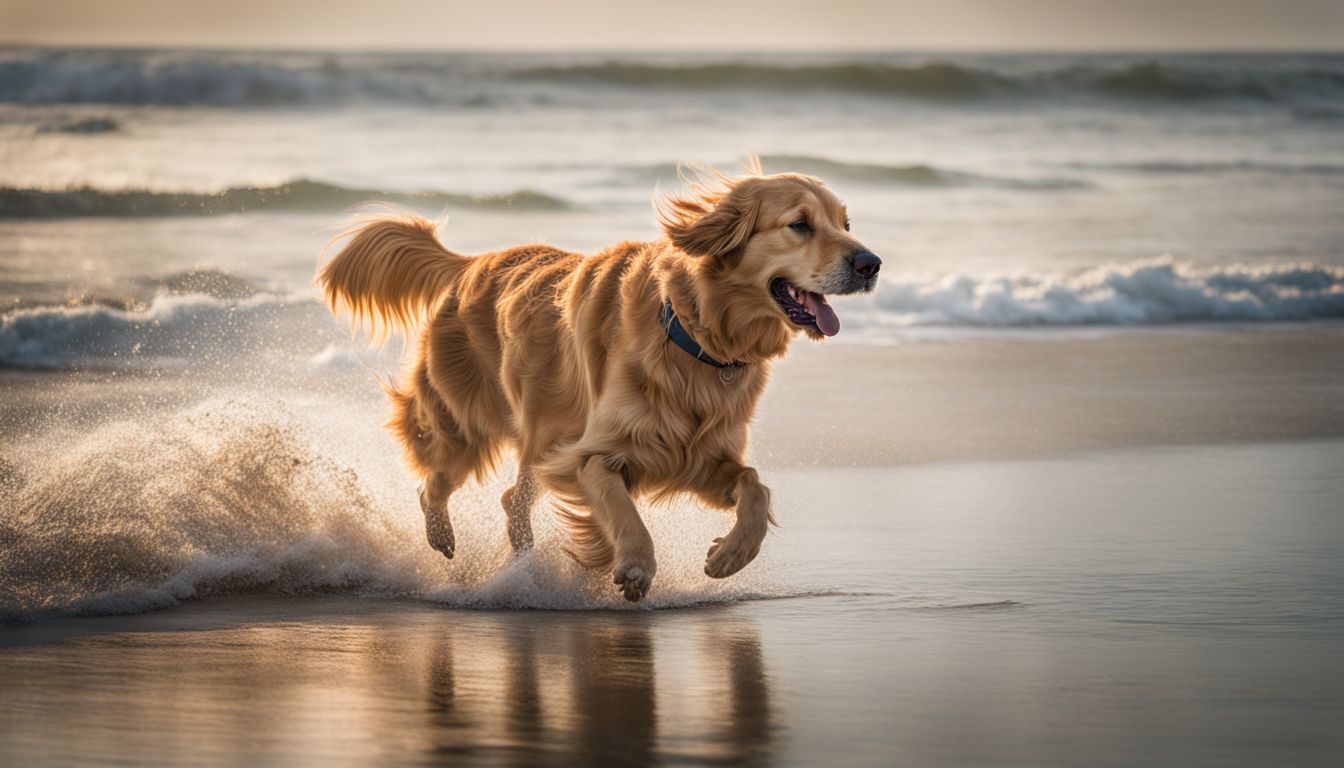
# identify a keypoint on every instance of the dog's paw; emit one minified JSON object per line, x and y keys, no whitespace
{"x":633,"y":581}
{"x":728,"y":555}
{"x":440,"y":537}
{"x":438,"y":529}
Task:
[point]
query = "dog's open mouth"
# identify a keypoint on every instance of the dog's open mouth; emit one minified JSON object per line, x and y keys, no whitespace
{"x":804,"y":307}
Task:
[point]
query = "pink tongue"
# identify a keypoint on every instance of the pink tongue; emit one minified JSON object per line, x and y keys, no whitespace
{"x":827,"y":322}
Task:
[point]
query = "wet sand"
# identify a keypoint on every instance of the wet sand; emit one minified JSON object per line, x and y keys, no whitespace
{"x":1053,"y":552}
{"x":1154,"y":607}
{"x":1005,"y":396}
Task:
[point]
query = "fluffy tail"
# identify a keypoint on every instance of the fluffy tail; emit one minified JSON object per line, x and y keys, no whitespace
{"x":390,"y":274}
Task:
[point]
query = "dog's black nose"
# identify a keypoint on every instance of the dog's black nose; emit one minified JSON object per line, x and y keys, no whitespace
{"x":866,"y":263}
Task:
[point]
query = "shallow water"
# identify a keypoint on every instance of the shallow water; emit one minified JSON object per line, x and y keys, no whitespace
{"x":208,"y":552}
{"x":1163,"y":606}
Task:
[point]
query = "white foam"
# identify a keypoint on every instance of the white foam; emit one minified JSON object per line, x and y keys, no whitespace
{"x":334,"y":358}
{"x":1150,"y":292}
{"x":172,"y":329}
{"x":184,"y":329}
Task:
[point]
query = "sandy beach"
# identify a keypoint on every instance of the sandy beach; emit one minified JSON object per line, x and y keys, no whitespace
{"x":1008,"y":587}
{"x":1063,"y":491}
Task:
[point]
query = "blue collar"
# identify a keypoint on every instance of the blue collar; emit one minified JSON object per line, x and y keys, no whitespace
{"x":682,"y":339}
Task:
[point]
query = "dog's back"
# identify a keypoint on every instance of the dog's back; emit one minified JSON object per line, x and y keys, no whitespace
{"x":509,"y":347}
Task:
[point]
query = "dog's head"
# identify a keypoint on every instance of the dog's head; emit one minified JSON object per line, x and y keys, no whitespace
{"x":785,"y":236}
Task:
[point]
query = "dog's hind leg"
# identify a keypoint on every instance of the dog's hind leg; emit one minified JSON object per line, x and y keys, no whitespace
{"x":438,"y":452}
{"x":517,"y":503}
{"x":434,"y":493}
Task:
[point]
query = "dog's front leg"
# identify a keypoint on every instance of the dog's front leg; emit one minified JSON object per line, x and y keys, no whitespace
{"x":730,"y":554}
{"x":614,"y":510}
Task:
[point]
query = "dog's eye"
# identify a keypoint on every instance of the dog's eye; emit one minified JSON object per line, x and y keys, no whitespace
{"x":802,"y":226}
{"x":846,"y":225}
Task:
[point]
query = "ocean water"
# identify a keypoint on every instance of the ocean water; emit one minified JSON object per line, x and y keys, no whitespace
{"x":183,"y":426}
{"x":1002,"y":190}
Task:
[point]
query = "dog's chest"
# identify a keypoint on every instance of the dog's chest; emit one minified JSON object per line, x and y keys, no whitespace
{"x":709,"y":410}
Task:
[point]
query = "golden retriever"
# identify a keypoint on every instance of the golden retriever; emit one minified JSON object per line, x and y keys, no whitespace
{"x":631,"y":372}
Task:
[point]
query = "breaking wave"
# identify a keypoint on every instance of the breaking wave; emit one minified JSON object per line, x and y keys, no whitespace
{"x":918,"y":175}
{"x":1141,"y":293}
{"x":235,"y":496}
{"x":176,"y":330}
{"x":914,"y":175}
{"x":935,"y":80}
{"x":1149,"y":80}
{"x":293,"y":196}
{"x":47,"y":76}
{"x":1182,"y":167}
{"x":171,"y":331}
{"x":182,"y":78}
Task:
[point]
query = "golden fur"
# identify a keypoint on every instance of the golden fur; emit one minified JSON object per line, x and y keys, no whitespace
{"x":562,"y":358}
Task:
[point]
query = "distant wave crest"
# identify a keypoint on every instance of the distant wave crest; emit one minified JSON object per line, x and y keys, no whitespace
{"x":298,"y":195}
{"x":184,"y":78}
{"x":938,"y":80}
{"x":1141,"y":293}
{"x":941,"y":80}
{"x":1182,"y":167}
{"x":918,"y":175}
{"x":910,"y":175}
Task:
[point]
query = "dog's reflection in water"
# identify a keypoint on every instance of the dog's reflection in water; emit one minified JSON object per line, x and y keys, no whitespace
{"x":748,"y":723}
{"x":354,"y":681}
{"x":598,"y":693}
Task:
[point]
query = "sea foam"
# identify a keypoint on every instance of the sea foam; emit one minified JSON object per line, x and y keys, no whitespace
{"x":1159,"y":291}
{"x":178,"y":330}
{"x":172,"y":330}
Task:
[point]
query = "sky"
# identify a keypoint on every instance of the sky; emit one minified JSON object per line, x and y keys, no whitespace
{"x":1079,"y":25}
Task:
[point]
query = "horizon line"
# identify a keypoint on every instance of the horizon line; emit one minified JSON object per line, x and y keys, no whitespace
{"x":614,"y":50}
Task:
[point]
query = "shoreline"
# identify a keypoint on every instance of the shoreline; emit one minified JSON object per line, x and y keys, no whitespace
{"x":914,"y":401}
{"x":1014,"y":398}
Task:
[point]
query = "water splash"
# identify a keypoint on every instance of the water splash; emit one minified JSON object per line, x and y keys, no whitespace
{"x":236,"y":495}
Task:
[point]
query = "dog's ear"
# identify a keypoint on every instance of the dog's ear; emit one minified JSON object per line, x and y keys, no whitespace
{"x":713,"y":224}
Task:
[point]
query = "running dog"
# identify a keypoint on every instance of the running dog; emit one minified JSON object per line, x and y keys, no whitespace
{"x":633,"y":372}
